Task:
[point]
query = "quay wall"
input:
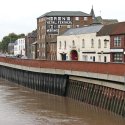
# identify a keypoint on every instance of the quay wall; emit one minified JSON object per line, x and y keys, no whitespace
{"x":104,"y":89}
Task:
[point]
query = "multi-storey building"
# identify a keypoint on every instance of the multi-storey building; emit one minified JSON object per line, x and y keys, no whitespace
{"x":30,"y":39}
{"x":83,"y":44}
{"x":117,"y":40}
{"x":19,"y":47}
{"x":55,"y":23}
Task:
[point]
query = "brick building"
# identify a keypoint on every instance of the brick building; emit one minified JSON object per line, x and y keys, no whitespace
{"x":30,"y":39}
{"x":55,"y":23}
{"x":117,"y":40}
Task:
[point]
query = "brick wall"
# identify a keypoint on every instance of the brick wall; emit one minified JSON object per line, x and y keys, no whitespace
{"x":95,"y":67}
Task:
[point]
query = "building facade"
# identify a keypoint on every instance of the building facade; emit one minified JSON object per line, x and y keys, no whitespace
{"x":55,"y":23}
{"x":11,"y":48}
{"x":83,"y":44}
{"x":118,"y":43}
{"x":117,"y":40}
{"x":19,"y":47}
{"x":29,"y":40}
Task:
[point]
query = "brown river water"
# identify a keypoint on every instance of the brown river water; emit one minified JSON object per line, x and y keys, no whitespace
{"x":23,"y":106}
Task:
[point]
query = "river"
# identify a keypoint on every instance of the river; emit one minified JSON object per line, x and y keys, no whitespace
{"x":23,"y":106}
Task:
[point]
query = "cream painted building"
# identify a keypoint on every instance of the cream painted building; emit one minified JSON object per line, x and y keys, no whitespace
{"x":83,"y":44}
{"x":19,"y":47}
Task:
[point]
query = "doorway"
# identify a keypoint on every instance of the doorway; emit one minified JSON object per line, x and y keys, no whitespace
{"x":63,"y":56}
{"x":74,"y":55}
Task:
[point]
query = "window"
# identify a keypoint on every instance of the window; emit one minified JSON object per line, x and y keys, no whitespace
{"x":39,"y":20}
{"x":68,"y":18}
{"x":55,"y":18}
{"x":51,"y":26}
{"x":99,"y":58}
{"x":118,"y":57}
{"x":39,"y":45}
{"x":43,"y":45}
{"x":64,"y":44}
{"x":85,"y":18}
{"x":55,"y":26}
{"x":60,"y":44}
{"x":76,"y":18}
{"x":83,"y":43}
{"x":84,"y":57}
{"x":92,"y":43}
{"x":59,"y":26}
{"x":73,"y":43}
{"x":50,"y":36}
{"x":105,"y":44}
{"x":68,"y":26}
{"x":39,"y":36}
{"x":99,"y":43}
{"x":39,"y":28}
{"x":43,"y":27}
{"x":117,"y":41}
{"x":59,"y":18}
{"x":43,"y":36}
{"x":51,"y":18}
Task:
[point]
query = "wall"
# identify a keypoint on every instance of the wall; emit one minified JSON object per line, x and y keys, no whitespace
{"x":107,"y":95}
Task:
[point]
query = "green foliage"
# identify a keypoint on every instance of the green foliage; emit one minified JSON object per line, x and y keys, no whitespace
{"x":12,"y":37}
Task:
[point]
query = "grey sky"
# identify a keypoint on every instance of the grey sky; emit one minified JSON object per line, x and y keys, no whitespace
{"x":19,"y":16}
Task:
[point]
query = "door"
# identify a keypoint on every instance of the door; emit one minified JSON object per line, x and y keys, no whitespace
{"x":74,"y":55}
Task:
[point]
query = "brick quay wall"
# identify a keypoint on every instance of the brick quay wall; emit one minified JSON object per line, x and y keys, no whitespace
{"x":94,"y":67}
{"x":98,"y":84}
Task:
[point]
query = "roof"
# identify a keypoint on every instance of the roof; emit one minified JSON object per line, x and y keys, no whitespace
{"x":109,"y":21}
{"x":32,"y":34}
{"x":92,"y":12}
{"x":11,"y":44}
{"x":84,"y":30}
{"x":99,"y":20}
{"x":112,"y":29}
{"x":64,"y":13}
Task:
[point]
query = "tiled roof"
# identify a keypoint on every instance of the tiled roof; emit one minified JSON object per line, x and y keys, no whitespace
{"x":112,"y":29}
{"x":109,"y":21}
{"x":32,"y":34}
{"x":84,"y":30}
{"x":99,"y":20}
{"x":64,"y":13}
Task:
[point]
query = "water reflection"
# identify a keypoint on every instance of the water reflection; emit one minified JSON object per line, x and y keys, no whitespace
{"x":23,"y":106}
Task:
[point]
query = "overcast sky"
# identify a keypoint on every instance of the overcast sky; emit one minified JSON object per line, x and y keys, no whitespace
{"x":19,"y":16}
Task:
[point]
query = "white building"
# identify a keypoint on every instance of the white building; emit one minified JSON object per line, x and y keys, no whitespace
{"x":19,"y":47}
{"x":83,"y":44}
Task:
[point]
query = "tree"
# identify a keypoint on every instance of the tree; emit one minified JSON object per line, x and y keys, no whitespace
{"x":11,"y":38}
{"x":0,"y":46}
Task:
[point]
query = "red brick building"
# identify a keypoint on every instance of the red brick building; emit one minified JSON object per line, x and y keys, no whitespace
{"x":55,"y":23}
{"x":117,"y":40}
